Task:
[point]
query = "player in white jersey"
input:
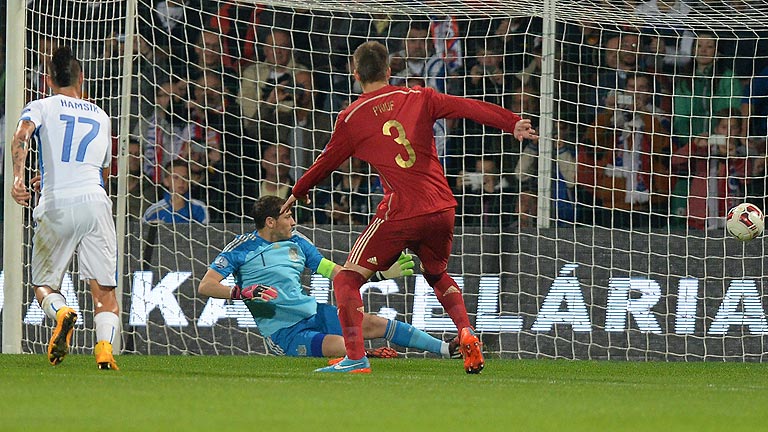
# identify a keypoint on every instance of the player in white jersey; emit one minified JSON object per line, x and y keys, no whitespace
{"x":74,"y":212}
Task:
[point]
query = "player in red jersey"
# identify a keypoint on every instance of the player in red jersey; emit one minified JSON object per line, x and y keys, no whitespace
{"x":391,"y":128}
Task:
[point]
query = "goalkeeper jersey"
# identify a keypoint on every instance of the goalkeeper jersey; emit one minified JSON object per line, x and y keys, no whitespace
{"x":253,"y":260}
{"x":391,"y":129}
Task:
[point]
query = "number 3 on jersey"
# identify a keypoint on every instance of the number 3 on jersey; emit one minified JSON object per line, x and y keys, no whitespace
{"x":402,"y":140}
{"x":70,"y":132}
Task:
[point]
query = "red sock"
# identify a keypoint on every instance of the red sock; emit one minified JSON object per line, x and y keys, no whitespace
{"x":346,"y":288}
{"x":449,"y":295}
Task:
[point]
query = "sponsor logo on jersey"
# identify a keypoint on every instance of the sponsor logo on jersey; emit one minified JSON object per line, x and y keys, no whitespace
{"x":373,"y":260}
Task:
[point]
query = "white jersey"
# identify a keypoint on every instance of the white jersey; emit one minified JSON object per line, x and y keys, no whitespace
{"x":74,"y":144}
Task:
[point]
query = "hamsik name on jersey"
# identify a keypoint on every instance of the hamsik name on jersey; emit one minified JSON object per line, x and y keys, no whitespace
{"x":81,"y":105}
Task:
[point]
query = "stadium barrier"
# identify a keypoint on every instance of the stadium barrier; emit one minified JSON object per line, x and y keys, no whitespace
{"x":570,"y":295}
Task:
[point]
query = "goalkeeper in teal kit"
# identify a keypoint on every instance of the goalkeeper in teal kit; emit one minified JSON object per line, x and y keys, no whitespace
{"x":267,"y":265}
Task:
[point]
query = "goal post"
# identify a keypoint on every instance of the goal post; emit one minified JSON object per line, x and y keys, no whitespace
{"x":12,"y":221}
{"x":603,"y":240}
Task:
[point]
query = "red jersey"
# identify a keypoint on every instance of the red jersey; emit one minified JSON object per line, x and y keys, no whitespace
{"x":391,"y":129}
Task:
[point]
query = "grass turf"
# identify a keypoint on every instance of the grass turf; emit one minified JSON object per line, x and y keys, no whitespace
{"x":175,"y":393}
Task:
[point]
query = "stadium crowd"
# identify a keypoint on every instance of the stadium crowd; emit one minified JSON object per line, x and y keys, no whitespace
{"x":656,"y":125}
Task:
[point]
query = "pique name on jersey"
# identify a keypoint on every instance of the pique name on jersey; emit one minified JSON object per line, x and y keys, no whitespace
{"x":84,"y":106}
{"x":384,"y":107}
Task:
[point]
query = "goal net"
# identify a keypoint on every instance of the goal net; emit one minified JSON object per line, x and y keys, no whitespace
{"x":605,"y":239}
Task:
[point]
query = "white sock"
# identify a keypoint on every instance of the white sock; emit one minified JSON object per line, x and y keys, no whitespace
{"x":444,"y":350}
{"x":107,"y":326}
{"x":52,"y":303}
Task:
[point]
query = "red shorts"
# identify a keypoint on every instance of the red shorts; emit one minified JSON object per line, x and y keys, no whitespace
{"x":429,"y":236}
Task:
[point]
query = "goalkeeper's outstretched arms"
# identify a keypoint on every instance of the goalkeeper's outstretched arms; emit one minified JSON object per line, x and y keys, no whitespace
{"x":402,"y":267}
{"x":211,"y":286}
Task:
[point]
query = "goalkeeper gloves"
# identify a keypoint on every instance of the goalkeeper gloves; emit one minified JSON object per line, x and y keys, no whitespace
{"x":402,"y":267}
{"x":254,"y":292}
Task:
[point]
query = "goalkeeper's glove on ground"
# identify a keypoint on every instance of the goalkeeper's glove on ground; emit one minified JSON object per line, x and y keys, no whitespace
{"x":254,"y":292}
{"x":402,"y":267}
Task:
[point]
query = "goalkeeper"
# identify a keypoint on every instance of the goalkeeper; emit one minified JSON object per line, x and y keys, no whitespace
{"x":267,"y":265}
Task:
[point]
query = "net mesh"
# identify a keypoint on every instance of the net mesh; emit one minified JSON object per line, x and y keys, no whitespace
{"x":657,"y":125}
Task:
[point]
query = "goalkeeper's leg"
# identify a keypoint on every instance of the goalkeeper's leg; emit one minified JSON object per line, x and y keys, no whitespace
{"x":402,"y":334}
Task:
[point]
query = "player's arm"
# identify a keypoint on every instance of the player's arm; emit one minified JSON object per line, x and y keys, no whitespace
{"x":448,"y":106}
{"x":211,"y":286}
{"x":402,"y":267}
{"x":316,"y":263}
{"x":19,"y":150}
{"x":336,"y":151}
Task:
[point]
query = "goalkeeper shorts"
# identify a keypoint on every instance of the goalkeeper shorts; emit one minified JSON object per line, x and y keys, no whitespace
{"x":305,"y":338}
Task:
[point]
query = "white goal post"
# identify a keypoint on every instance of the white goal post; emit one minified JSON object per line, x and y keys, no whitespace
{"x":603,"y":240}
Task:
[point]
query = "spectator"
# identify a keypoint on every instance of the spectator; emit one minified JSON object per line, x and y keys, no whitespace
{"x":518,"y":37}
{"x":387,"y":29}
{"x":707,"y":88}
{"x":414,"y":65}
{"x":172,"y":28}
{"x":526,"y":101}
{"x":653,"y":68}
{"x":717,"y":169}
{"x":204,"y":136}
{"x":645,"y":100}
{"x":754,"y":106}
{"x":626,"y":161}
{"x":581,"y":60}
{"x":447,"y":41}
{"x":140,"y":190}
{"x":668,"y":20}
{"x":621,"y":59}
{"x":563,"y":207}
{"x":530,"y":76}
{"x":484,"y":196}
{"x":176,"y":207}
{"x":236,"y":22}
{"x":343,"y":88}
{"x":103,"y":63}
{"x":416,"y":61}
{"x":483,"y":140}
{"x":487,"y":79}
{"x":203,"y":133}
{"x":276,"y":94}
{"x":274,"y":174}
{"x":348,"y":201}
{"x":37,"y":67}
{"x":161,"y":133}
{"x":209,"y":59}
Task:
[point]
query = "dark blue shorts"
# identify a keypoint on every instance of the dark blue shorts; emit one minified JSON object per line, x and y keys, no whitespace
{"x":305,"y":338}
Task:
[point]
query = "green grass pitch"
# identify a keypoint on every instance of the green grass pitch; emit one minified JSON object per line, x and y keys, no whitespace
{"x":222,"y":393}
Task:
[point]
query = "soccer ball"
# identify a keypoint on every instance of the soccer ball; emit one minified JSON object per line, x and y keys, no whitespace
{"x":745,"y":221}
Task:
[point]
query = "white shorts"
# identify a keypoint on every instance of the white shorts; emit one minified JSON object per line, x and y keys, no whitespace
{"x":82,"y":223}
